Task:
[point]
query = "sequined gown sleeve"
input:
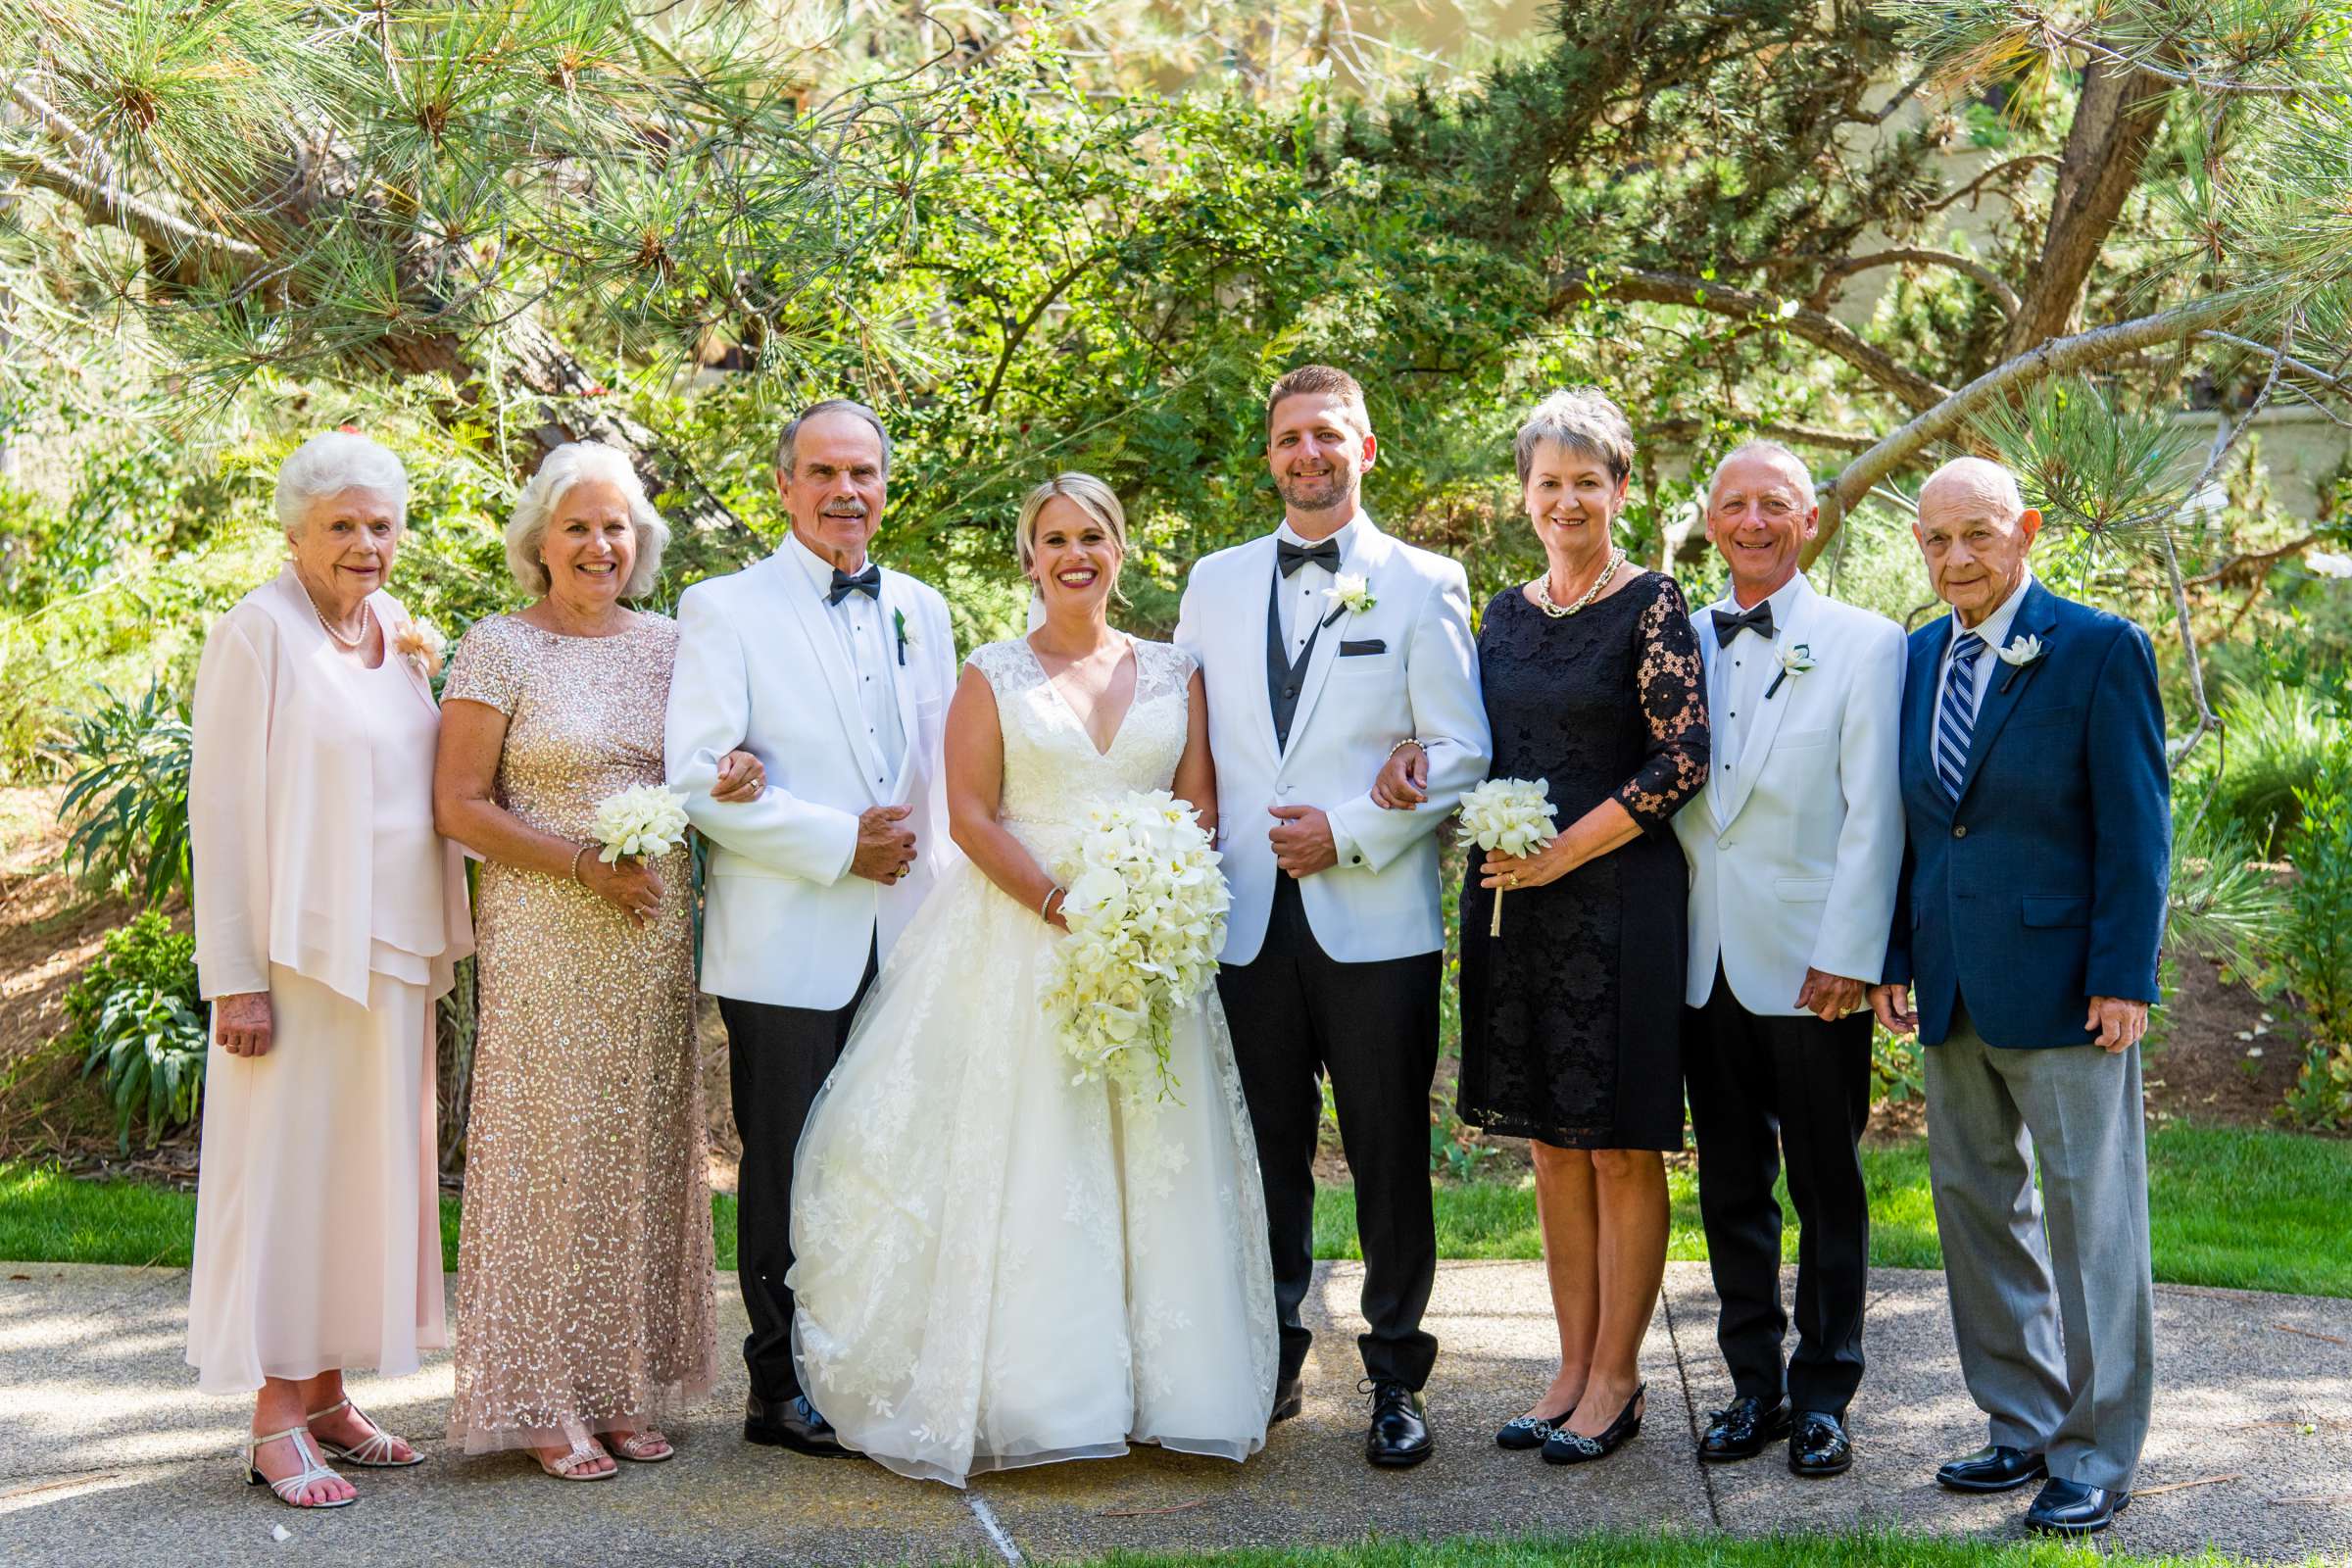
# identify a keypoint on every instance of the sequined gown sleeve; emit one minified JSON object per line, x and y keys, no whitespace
{"x":1571,"y":1021}
{"x":584,"y":1272}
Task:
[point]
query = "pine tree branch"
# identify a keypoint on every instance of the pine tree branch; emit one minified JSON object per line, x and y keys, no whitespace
{"x":2064,"y":38}
{"x":1570,"y":290}
{"x":1989,"y":173}
{"x":115,"y":208}
{"x":2061,"y":355}
{"x":1991,"y":281}
{"x":1812,"y":435}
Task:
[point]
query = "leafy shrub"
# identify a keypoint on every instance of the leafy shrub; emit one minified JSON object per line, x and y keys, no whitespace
{"x":2276,"y":738}
{"x":128,"y":793}
{"x":136,"y":1016}
{"x":2316,"y":951}
{"x":2222,"y":903}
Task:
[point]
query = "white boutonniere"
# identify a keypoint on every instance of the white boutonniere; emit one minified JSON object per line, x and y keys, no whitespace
{"x":1793,"y":661}
{"x":906,"y":639}
{"x":1350,"y":595}
{"x":2020,"y":652}
{"x":421,"y":644}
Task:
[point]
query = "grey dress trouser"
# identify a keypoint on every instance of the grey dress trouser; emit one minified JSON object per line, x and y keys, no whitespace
{"x":2056,"y":1330}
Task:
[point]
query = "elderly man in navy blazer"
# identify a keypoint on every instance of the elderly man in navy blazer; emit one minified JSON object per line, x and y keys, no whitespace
{"x":2024,"y":953}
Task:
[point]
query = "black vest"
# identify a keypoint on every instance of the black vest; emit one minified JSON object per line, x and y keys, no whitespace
{"x":1284,"y":679}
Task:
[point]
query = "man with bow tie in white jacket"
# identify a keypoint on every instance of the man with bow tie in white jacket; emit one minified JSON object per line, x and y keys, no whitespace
{"x":1324,"y":645}
{"x":1795,"y":851}
{"x":835,"y":672}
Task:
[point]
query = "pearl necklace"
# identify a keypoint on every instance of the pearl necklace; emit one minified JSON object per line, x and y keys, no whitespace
{"x":1558,"y":612}
{"x":349,"y":644}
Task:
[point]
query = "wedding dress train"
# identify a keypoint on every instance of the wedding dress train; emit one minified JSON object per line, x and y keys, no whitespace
{"x":997,"y":1267}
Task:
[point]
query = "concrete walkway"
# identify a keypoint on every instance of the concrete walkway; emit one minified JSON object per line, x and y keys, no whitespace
{"x":108,"y":1456}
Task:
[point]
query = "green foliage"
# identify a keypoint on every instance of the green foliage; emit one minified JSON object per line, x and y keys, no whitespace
{"x":2220,"y":902}
{"x":2318,"y":947}
{"x":2275,"y":739}
{"x":128,"y":793}
{"x":137,"y":1019}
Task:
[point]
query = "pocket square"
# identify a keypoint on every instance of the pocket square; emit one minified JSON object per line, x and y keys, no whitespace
{"x":1370,"y":645}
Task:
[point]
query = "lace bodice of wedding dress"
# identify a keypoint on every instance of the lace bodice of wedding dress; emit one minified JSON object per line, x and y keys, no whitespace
{"x":1053,"y":773}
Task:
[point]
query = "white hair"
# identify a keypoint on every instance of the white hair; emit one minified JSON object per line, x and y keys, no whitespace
{"x":1983,"y":478}
{"x":1790,"y":461}
{"x":788,"y":444}
{"x":329,"y":464}
{"x":535,"y":509}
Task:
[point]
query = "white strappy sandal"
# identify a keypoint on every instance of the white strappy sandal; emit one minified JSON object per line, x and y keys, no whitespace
{"x":373,"y":1451}
{"x":291,"y":1486}
{"x":647,"y":1447}
{"x":585,"y":1449}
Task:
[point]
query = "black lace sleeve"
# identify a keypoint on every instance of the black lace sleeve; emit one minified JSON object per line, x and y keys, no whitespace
{"x":1670,"y":683}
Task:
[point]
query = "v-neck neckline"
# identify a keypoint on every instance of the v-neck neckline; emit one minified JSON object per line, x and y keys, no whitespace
{"x":1132,"y":657}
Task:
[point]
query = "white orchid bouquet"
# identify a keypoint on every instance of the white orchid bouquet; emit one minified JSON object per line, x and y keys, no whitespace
{"x":1146,"y":908}
{"x":645,"y":819}
{"x":1509,"y":815}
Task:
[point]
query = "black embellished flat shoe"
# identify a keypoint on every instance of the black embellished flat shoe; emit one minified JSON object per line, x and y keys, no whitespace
{"x":1742,"y":1428}
{"x":1523,"y":1432}
{"x":1564,"y":1446}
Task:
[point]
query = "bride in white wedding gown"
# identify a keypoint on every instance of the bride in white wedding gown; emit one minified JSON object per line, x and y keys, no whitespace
{"x":997,"y":1267}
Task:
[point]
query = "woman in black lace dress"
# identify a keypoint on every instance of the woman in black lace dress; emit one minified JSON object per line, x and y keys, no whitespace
{"x":1570,"y":1019}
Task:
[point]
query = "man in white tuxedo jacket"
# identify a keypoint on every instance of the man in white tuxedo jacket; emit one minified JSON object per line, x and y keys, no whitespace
{"x":1795,"y":851}
{"x":1323,"y":646}
{"x":835,"y":673}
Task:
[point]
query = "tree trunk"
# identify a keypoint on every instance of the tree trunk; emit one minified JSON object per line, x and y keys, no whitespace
{"x":2115,"y":121}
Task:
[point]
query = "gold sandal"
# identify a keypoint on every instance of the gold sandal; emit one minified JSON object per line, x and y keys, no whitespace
{"x":647,"y":1447}
{"x":372,"y":1452}
{"x":312,"y":1469}
{"x":585,"y":1449}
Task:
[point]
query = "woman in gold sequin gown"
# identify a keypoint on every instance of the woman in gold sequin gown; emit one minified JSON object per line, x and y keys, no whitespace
{"x":584,"y":1276}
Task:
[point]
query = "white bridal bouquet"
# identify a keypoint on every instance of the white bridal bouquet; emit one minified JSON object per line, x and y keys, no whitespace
{"x":645,"y":819}
{"x":1509,"y":815}
{"x":1146,"y":915}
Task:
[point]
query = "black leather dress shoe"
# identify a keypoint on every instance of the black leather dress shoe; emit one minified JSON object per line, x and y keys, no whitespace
{"x":1400,"y":1436}
{"x":793,"y":1424}
{"x":1818,"y":1445}
{"x":1995,"y":1468}
{"x":2071,"y":1508}
{"x":1290,"y":1397}
{"x":1740,"y":1430}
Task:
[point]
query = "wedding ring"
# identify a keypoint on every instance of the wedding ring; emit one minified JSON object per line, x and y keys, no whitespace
{"x":1510,"y":879}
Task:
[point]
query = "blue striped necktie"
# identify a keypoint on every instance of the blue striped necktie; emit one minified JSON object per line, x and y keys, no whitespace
{"x":1956,"y":716}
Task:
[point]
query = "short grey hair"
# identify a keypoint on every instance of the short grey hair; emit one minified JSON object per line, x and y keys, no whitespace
{"x":1761,"y":448}
{"x":567,"y":465}
{"x":785,"y":442}
{"x":1586,"y":423}
{"x":331,"y":463}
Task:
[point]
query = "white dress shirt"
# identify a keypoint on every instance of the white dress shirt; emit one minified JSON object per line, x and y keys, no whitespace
{"x":1737,"y":676}
{"x":1995,"y":629}
{"x":872,"y":649}
{"x":1300,"y":594}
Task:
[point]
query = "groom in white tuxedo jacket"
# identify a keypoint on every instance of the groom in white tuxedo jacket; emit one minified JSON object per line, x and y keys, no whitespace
{"x":835,"y":673}
{"x":1323,"y":646}
{"x":1794,"y":850}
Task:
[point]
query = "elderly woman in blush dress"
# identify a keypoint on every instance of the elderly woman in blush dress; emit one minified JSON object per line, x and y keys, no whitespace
{"x":584,"y":1267}
{"x":1572,"y":1019}
{"x":328,"y":917}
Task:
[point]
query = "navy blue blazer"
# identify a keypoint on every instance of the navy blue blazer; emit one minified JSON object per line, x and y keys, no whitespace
{"x":2045,"y":884}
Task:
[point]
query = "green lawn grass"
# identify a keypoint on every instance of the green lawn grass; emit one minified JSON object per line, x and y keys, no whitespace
{"x":2251,"y":1209}
{"x":1619,"y":1549}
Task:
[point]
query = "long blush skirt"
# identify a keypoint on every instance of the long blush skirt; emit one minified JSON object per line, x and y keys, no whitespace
{"x":317,"y":1214}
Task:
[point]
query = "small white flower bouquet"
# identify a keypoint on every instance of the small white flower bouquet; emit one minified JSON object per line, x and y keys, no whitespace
{"x":1146,"y":910}
{"x":645,"y":819}
{"x":421,"y":644}
{"x":1509,"y":815}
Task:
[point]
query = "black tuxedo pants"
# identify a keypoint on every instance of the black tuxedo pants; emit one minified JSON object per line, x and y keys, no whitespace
{"x":1297,"y":1015}
{"x":1763,"y":1089}
{"x":777,"y":1059}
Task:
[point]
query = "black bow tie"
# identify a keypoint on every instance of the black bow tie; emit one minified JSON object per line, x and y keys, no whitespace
{"x":1729,"y":626}
{"x":867,"y":582}
{"x":1290,"y":557}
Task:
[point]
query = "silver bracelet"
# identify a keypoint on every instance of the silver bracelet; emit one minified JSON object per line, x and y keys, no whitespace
{"x":1048,"y":899}
{"x":1402,"y":743}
